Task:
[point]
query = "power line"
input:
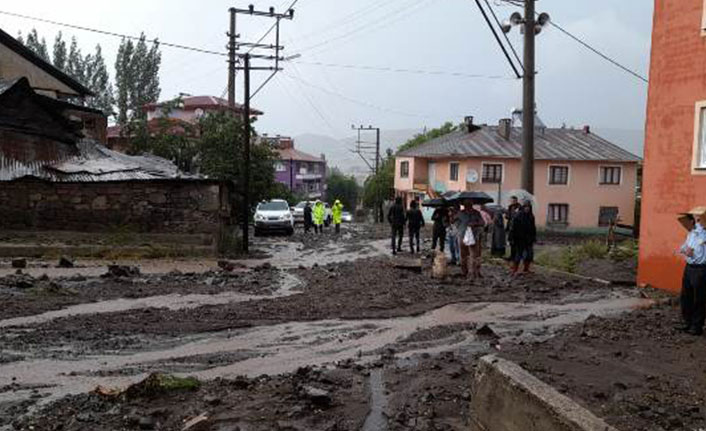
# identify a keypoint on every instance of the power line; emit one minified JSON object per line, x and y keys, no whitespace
{"x":402,"y":70}
{"x":111,"y":33}
{"x":271,"y":27}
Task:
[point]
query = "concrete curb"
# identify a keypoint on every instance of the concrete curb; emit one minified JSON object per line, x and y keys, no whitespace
{"x":508,"y":398}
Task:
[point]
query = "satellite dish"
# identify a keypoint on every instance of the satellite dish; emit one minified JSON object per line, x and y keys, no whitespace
{"x":472,"y":176}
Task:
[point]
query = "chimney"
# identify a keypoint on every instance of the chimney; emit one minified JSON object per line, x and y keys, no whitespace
{"x":505,"y":127}
{"x":468,"y":122}
{"x":587,"y":129}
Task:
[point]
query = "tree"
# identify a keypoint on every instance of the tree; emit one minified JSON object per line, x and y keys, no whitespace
{"x":421,"y":138}
{"x":38,"y":46}
{"x":378,"y":187}
{"x":136,"y":78}
{"x":98,"y":81}
{"x":124,"y":79}
{"x":343,"y":188}
{"x":60,"y":54}
{"x":75,"y":65}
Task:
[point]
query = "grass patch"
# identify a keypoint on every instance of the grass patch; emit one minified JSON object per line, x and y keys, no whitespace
{"x":569,"y":258}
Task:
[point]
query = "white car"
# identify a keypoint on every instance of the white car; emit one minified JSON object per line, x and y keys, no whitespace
{"x":298,"y":212}
{"x":273,"y":215}
{"x":346,"y":217}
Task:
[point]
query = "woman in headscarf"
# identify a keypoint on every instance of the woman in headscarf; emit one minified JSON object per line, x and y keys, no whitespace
{"x":497,"y":248}
{"x":523,"y":236}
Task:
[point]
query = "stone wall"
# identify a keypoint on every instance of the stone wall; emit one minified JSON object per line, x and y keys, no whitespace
{"x":143,"y":206}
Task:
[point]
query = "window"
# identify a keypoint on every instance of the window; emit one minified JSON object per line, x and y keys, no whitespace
{"x":404,"y":170}
{"x":280,"y":167}
{"x":453,"y":171}
{"x":492,"y":173}
{"x":558,"y":214}
{"x":303,"y":170}
{"x":606,"y":215}
{"x":610,"y":175}
{"x":558,"y":175}
{"x":700,"y":145}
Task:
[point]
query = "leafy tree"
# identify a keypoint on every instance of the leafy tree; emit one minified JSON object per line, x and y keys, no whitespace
{"x":60,"y":53}
{"x":378,"y":188}
{"x":124,"y":79}
{"x":421,"y":138}
{"x":20,"y":39}
{"x":136,"y":78}
{"x":37,"y":45}
{"x":98,"y":81}
{"x":75,"y":65}
{"x":343,"y":188}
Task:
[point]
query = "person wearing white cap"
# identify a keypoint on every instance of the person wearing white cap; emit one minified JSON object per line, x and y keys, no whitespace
{"x":693,"y":293}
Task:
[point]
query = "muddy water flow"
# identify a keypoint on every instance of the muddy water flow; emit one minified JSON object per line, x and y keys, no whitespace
{"x":285,"y":347}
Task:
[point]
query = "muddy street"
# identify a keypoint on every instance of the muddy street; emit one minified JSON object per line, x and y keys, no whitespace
{"x":332,"y":329}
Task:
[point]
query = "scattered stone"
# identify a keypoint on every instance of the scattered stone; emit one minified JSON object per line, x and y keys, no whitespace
{"x":317,"y":396}
{"x":121,"y":271}
{"x":147,"y":423}
{"x":65,"y":262}
{"x":486,"y":332}
{"x":19,"y":263}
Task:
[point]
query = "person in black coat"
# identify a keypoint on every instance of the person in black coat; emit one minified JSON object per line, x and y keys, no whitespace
{"x":441,"y":220}
{"x":415,"y":221}
{"x":523,"y":235}
{"x":308,"y":219}
{"x":397,"y":218}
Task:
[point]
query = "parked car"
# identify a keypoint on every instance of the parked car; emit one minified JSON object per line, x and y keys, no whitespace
{"x":346,"y":217}
{"x":273,"y":215}
{"x":298,"y":212}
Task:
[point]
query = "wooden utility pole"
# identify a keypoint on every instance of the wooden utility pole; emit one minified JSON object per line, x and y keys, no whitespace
{"x":528,"y":104}
{"x":232,"y":47}
{"x":245,"y":214}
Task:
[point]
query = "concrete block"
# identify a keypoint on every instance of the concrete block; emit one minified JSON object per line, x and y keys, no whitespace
{"x":508,"y":398}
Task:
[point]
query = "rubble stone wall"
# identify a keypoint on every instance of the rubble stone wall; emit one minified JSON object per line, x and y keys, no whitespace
{"x":142,"y":206}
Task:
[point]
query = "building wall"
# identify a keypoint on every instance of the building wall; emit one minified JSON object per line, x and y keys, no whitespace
{"x":154,"y":206}
{"x":300,"y":185}
{"x":584,"y":195}
{"x":14,"y":66}
{"x":677,"y":83}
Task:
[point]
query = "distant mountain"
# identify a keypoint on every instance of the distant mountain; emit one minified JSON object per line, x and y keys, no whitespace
{"x":630,"y":140}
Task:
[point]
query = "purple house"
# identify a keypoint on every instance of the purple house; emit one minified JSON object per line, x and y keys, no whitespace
{"x":303,"y":173}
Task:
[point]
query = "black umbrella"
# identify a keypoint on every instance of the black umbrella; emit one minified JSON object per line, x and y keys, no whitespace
{"x":434,"y":203}
{"x":475,"y":197}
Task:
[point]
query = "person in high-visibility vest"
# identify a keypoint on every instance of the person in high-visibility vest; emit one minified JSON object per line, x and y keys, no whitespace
{"x":337,"y":211}
{"x":319,"y":215}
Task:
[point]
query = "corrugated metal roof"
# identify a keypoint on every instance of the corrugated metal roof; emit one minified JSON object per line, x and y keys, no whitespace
{"x":550,"y":144}
{"x":94,"y":163}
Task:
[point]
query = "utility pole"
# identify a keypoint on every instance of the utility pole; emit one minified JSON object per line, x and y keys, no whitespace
{"x":232,"y":39}
{"x":528,"y":100}
{"x":365,"y":150}
{"x":247,"y":96}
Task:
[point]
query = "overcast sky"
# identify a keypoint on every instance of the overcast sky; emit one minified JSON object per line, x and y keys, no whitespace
{"x":574,"y":86}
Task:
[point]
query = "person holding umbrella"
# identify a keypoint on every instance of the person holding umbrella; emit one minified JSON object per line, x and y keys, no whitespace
{"x":693,"y":292}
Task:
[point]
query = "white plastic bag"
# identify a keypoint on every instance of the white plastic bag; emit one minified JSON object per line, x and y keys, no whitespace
{"x":468,"y":238}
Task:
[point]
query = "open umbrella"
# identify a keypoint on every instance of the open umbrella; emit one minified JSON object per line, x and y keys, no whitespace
{"x":434,"y":203}
{"x":475,"y":197}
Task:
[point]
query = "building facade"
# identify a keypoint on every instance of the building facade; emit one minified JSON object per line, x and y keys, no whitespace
{"x":303,"y":173}
{"x":675,"y":148}
{"x":581,"y":180}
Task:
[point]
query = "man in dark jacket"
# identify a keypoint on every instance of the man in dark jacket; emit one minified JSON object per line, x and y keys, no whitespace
{"x":308,"y":219}
{"x":441,"y":220}
{"x":396,"y":218}
{"x":523,"y":235}
{"x":415,"y":221}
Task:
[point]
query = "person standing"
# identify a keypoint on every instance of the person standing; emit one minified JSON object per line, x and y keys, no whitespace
{"x":396,"y":218}
{"x":337,"y":214}
{"x":693,"y":292}
{"x":523,"y":235}
{"x":470,"y":218}
{"x":498,"y":236}
{"x":440,"y":217}
{"x":512,"y":210}
{"x":452,"y":235}
{"x":308,"y":219}
{"x":415,"y":221}
{"x":319,"y":215}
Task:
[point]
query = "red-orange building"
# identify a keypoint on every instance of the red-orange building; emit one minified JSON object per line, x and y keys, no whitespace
{"x":675,"y":148}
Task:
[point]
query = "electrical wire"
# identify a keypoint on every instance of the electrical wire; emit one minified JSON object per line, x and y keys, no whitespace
{"x":111,"y":33}
{"x":311,"y":103}
{"x":402,"y":70}
{"x":272,"y":27}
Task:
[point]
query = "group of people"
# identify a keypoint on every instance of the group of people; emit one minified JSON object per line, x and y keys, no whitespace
{"x":316,"y":217}
{"x":465,"y":228}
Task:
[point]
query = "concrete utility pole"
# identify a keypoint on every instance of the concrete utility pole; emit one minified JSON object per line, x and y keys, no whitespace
{"x":528,"y":100}
{"x":232,"y":39}
{"x":247,"y":96}
{"x":364,"y":151}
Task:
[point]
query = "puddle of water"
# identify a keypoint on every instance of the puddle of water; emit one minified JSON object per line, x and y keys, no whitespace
{"x":290,"y":255}
{"x":288,"y":283}
{"x":286,"y":347}
{"x":378,"y":403}
{"x":96,"y":268}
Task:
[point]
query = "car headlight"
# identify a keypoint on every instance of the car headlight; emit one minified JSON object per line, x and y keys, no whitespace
{"x":259,"y":217}
{"x":286,"y":217}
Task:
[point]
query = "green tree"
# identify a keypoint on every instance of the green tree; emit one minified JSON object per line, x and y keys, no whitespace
{"x":37,"y":45}
{"x":136,"y":78}
{"x":344,"y":188}
{"x":75,"y":65}
{"x":60,"y":53}
{"x":421,"y":138}
{"x":124,"y":78}
{"x":380,"y":187}
{"x":98,"y":81}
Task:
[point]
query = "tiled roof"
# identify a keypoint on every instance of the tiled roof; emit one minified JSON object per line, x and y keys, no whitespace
{"x":550,"y":144}
{"x":292,"y":154}
{"x":191,"y":103}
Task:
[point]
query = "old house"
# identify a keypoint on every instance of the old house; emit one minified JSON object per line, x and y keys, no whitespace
{"x":581,"y":180}
{"x":55,"y":174}
{"x":675,"y":148}
{"x":303,"y":173}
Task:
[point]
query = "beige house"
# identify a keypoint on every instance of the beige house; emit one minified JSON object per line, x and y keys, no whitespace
{"x":580,"y":179}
